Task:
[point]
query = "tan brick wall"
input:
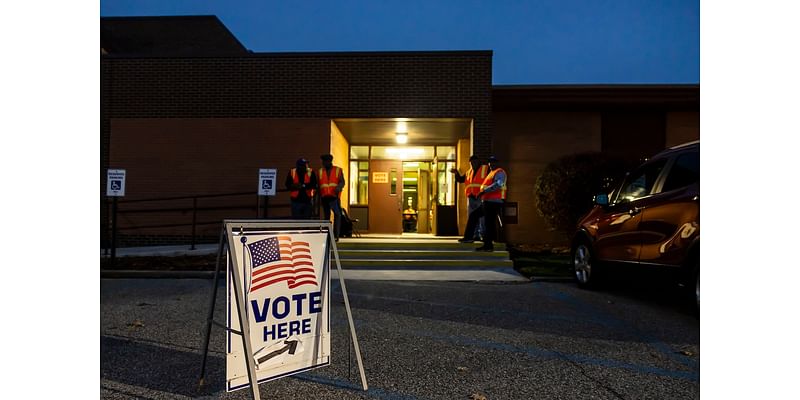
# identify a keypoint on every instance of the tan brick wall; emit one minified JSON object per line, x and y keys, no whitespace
{"x":682,"y":127}
{"x":173,"y":157}
{"x":526,"y":142}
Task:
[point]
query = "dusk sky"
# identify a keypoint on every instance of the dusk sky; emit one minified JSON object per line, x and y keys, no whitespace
{"x":534,"y":42}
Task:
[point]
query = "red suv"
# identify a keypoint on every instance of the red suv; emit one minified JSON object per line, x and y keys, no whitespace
{"x":652,"y":219}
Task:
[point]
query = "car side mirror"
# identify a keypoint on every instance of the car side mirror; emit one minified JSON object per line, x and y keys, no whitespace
{"x":601,"y":199}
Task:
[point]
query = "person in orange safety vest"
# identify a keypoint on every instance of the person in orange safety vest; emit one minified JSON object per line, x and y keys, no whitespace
{"x":492,"y":194}
{"x":472,"y":186}
{"x":331,"y":184}
{"x":301,"y":183}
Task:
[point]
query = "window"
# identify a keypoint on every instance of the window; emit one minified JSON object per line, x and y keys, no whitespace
{"x":359,"y":152}
{"x":359,"y":179}
{"x":447,"y":184}
{"x":685,"y":172}
{"x":640,"y":183}
{"x":446,"y":153}
{"x":393,"y":181}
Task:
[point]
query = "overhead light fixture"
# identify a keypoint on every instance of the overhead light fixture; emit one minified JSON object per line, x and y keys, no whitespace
{"x":401,"y":133}
{"x":401,"y":137}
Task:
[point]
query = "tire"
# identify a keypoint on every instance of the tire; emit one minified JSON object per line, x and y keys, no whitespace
{"x":583,"y":266}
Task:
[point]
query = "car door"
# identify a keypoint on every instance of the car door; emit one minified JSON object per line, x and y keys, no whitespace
{"x":618,"y":238}
{"x":671,"y":219}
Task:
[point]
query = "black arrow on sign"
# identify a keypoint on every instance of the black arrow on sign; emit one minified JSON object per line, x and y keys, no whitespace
{"x":291,"y":347}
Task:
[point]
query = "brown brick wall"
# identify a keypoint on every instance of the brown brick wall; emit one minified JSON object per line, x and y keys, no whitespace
{"x":526,"y":142}
{"x":174,"y":157}
{"x":294,"y":85}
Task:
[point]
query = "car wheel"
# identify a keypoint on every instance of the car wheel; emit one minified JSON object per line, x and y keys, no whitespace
{"x":583,"y":265}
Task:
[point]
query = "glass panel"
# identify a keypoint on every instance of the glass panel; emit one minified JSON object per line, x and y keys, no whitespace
{"x":640,"y":182}
{"x":359,"y":152}
{"x":393,"y":181}
{"x":359,"y":178}
{"x":684,"y":172}
{"x":402,"y":152}
{"x":446,"y":184}
{"x":446,"y":152}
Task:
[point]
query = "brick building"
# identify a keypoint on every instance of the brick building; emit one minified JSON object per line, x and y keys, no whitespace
{"x":192,"y":115}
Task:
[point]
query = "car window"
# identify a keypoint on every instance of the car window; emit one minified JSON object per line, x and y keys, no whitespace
{"x":640,"y":182}
{"x":684,"y":172}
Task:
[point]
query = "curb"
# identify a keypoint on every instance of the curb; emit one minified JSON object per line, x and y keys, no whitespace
{"x":131,"y":274}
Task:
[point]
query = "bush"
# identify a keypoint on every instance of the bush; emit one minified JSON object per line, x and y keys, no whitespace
{"x":566,"y":189}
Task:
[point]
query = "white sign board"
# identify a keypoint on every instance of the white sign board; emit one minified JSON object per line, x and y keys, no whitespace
{"x":267,"y":181}
{"x":285,"y":280}
{"x":115,"y":183}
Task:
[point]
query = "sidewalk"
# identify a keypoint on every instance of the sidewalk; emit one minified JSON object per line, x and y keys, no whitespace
{"x":164,"y":251}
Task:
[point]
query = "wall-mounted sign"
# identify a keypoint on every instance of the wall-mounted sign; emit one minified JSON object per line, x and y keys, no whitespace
{"x":115,"y":183}
{"x":380,"y":177}
{"x":266,"y":181}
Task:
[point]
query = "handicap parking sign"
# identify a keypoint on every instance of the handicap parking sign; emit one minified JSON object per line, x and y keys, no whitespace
{"x":115,"y":183}
{"x":266,"y":180}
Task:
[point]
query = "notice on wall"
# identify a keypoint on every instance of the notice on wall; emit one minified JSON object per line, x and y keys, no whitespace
{"x":380,"y":177}
{"x":266,"y":181}
{"x":285,"y":283}
{"x":115,"y":183}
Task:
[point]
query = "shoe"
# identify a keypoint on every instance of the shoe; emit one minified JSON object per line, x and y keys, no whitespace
{"x":462,"y":240}
{"x":485,"y":248}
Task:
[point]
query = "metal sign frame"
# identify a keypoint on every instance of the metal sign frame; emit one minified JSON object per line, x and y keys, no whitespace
{"x":226,"y":235}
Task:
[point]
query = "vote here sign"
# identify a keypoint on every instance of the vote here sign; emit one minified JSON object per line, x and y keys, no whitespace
{"x":285,"y":281}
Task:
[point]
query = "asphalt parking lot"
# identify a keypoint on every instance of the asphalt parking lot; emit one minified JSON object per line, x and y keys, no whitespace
{"x":420,"y":340}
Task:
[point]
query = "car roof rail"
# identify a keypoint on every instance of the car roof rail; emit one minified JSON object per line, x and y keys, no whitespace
{"x":687,"y":144}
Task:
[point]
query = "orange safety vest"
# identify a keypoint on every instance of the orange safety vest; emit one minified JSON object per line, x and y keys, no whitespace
{"x":328,"y":183}
{"x":472,"y":182}
{"x":497,"y":194}
{"x":306,"y":180}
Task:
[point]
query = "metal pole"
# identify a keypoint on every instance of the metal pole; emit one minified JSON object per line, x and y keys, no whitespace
{"x":244,"y":323}
{"x":266,"y":207}
{"x":349,"y":313}
{"x":114,"y":231}
{"x":211,"y":306}
{"x":194,"y":220}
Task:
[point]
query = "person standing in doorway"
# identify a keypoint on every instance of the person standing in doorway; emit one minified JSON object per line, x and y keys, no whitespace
{"x":492,"y":195}
{"x":472,"y":181}
{"x":331,"y":184}
{"x":301,"y":183}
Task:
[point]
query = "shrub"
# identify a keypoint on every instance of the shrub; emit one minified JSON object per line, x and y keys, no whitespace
{"x":566,"y":189}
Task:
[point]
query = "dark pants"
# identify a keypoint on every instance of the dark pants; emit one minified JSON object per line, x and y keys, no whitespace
{"x":301,"y":210}
{"x":489,"y":210}
{"x":332,"y":204}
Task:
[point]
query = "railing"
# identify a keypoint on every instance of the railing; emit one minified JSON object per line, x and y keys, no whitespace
{"x":261,"y":209}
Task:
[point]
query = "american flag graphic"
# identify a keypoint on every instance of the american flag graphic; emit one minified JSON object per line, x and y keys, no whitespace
{"x":281,"y":259}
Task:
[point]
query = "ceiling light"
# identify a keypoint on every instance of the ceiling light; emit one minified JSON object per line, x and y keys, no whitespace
{"x":401,"y":138}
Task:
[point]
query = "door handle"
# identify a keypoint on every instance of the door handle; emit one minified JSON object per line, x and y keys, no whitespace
{"x":635,"y":210}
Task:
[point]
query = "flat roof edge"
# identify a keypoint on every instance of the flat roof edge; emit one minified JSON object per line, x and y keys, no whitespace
{"x":326,"y":53}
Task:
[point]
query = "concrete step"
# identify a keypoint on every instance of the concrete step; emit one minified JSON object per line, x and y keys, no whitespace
{"x":430,"y":264}
{"x":431,"y":245}
{"x":423,"y":254}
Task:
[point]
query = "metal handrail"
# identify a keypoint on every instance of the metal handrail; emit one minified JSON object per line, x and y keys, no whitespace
{"x":194,"y":209}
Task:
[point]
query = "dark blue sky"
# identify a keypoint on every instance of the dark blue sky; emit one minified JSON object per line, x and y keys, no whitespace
{"x":534,"y":42}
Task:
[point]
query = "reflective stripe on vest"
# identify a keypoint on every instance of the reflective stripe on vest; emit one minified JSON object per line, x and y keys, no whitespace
{"x":328,"y":182}
{"x":497,"y":194}
{"x":473,"y":182}
{"x":306,"y":180}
